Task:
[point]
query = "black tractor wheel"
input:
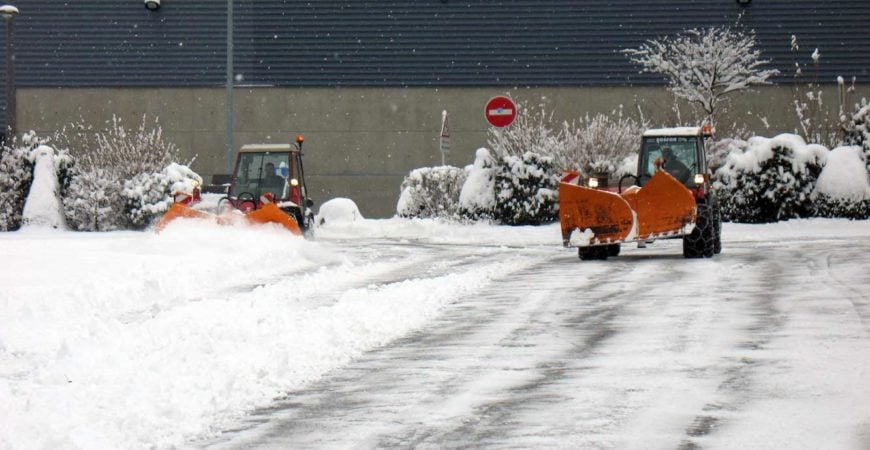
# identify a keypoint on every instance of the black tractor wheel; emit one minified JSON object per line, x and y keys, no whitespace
{"x":613,"y":250}
{"x":700,"y":243}
{"x":592,"y":253}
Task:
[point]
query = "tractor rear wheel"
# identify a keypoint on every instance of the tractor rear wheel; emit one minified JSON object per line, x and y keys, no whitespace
{"x":700,"y":243}
{"x":592,"y":253}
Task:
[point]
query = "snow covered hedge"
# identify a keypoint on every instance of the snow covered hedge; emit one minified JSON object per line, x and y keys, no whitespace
{"x":767,"y":180}
{"x":431,"y":192}
{"x":16,"y":173}
{"x":526,"y":190}
{"x":477,"y":198}
{"x":770,"y":180}
{"x":843,"y":187}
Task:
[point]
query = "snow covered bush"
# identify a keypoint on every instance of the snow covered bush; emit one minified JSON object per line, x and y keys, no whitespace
{"x":338,"y":210}
{"x":532,"y":131}
{"x":16,"y":173}
{"x":704,"y":66}
{"x":843,"y":187}
{"x":148,"y":195}
{"x":526,"y":190}
{"x":598,"y":144}
{"x":771,"y":180}
{"x":477,"y":197}
{"x":857,"y":130}
{"x":115,"y":175}
{"x":431,"y":192}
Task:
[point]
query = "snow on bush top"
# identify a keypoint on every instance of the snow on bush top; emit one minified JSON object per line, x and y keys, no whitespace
{"x":760,"y":149}
{"x":844,"y":176}
{"x":338,"y":210}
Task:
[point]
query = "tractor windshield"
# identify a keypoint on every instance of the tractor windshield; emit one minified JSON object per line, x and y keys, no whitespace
{"x":678,"y":155}
{"x":261,"y":172}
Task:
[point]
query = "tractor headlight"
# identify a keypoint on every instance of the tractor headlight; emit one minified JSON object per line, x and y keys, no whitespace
{"x":294,"y":182}
{"x":593,"y":182}
{"x":699,"y":179}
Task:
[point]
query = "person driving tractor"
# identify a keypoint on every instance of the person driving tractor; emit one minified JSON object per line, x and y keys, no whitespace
{"x":674,"y":166}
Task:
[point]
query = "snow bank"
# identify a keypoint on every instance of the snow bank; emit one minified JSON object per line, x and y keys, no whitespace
{"x":336,"y":211}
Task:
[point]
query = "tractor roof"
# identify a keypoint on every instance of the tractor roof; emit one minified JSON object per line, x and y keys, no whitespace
{"x":260,"y":148}
{"x":677,"y":131}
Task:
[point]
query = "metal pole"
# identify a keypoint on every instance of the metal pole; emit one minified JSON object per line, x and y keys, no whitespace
{"x":229,"y":143}
{"x":10,"y":79}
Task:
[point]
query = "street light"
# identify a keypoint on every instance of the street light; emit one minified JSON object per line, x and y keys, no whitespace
{"x":9,"y":12}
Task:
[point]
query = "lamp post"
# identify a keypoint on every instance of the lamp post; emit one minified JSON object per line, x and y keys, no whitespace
{"x":229,"y":143}
{"x":9,"y":13}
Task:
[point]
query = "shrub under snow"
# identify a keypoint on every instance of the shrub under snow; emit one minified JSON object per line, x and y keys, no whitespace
{"x":16,"y":173}
{"x":526,"y":190}
{"x":771,"y":180}
{"x":477,"y":198}
{"x":431,"y":192}
{"x":338,"y":210}
{"x":148,"y":195}
{"x":843,"y":187}
{"x":858,"y":130}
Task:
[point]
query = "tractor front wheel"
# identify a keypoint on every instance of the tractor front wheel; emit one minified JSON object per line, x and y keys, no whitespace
{"x":701,"y":242}
{"x":591,"y":253}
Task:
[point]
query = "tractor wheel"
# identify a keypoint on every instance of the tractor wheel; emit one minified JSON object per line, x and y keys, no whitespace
{"x":613,"y":250}
{"x":591,"y":253}
{"x":717,"y":230}
{"x":700,"y":243}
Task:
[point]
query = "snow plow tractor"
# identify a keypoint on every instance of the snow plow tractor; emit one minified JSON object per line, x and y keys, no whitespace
{"x":671,"y":197}
{"x":267,"y":186}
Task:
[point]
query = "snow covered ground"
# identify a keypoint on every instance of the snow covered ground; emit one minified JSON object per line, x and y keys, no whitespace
{"x":142,"y":340}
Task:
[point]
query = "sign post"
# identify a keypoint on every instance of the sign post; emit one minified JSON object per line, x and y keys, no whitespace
{"x":445,"y":138}
{"x":500,"y":111}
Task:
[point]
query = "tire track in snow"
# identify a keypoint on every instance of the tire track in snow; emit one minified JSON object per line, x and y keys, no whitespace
{"x":468,"y":389}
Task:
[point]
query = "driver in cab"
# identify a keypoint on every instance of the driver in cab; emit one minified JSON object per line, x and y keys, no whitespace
{"x":674,"y":166}
{"x":272,"y":181}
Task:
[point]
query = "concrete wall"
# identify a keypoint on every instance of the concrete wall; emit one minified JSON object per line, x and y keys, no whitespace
{"x":361,"y":142}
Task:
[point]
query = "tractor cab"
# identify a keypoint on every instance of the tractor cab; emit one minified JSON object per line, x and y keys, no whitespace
{"x":678,"y":151}
{"x":271,"y":173}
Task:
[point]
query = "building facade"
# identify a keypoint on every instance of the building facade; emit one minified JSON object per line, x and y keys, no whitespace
{"x":366,"y":81}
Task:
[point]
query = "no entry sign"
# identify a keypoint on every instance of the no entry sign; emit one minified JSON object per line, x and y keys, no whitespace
{"x":500,"y":111}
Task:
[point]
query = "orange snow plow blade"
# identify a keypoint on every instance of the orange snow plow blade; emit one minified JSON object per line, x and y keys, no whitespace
{"x":663,"y":207}
{"x":268,"y":213}
{"x":272,"y":213}
{"x":180,"y":210}
{"x":607,"y":215}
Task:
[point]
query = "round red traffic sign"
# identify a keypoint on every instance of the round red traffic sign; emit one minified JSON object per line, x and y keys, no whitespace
{"x":500,"y":111}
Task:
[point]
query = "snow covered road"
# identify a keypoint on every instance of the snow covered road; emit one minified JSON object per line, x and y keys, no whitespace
{"x":764,"y":347}
{"x":416,"y":334}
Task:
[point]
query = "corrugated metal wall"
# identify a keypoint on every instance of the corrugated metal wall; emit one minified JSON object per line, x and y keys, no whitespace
{"x":407,"y":43}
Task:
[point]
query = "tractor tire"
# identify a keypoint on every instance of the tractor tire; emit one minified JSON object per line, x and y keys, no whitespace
{"x":700,"y":243}
{"x":592,"y":253}
{"x":613,"y":250}
{"x":717,"y":230}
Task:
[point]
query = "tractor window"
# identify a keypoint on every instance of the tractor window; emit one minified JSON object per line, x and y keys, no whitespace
{"x":258,"y":173}
{"x":677,"y":153}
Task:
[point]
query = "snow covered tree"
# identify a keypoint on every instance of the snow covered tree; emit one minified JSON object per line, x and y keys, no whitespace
{"x":772,"y":180}
{"x":526,"y":190}
{"x":148,"y":195}
{"x":531,"y":132}
{"x":431,"y":192}
{"x":704,"y":66}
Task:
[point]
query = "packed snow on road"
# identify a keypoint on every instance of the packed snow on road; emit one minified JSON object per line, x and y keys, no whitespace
{"x":417,"y":333}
